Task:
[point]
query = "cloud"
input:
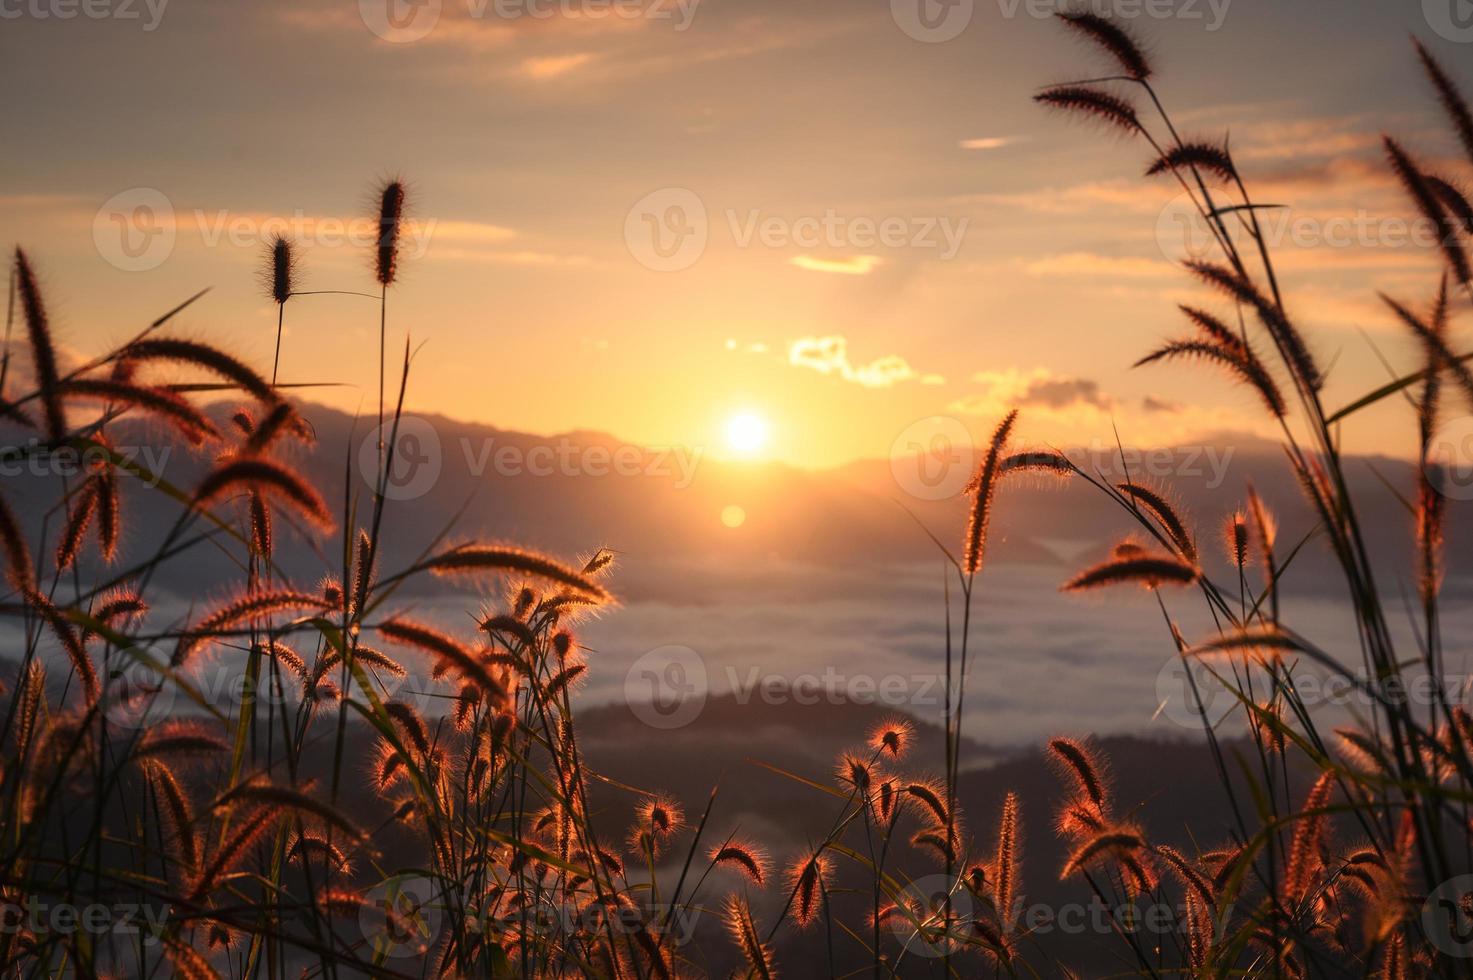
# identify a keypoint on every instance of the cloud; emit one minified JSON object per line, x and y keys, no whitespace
{"x":553,"y":66}
{"x":1061,"y":392}
{"x":1039,"y":388}
{"x":830,"y":355}
{"x":856,"y":265}
{"x":988,"y":142}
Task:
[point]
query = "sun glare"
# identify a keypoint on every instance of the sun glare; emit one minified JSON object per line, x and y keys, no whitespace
{"x":746,"y":433}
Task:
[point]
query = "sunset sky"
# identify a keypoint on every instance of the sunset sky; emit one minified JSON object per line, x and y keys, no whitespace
{"x":1032,"y":264}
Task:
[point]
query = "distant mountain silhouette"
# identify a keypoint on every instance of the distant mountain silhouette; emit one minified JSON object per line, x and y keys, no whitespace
{"x":663,"y":513}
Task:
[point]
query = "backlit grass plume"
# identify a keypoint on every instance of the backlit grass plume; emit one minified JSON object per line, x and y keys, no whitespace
{"x":1448,"y":93}
{"x":473,"y":559}
{"x":983,"y":493}
{"x":1414,"y":181}
{"x":264,"y":476}
{"x":43,"y":349}
{"x":808,"y":879}
{"x":746,"y":856}
{"x":1156,"y":504}
{"x":892,"y":737}
{"x":1092,"y":103}
{"x":281,"y":277}
{"x":194,"y":354}
{"x":390,"y":229}
{"x":1289,"y":341}
{"x":1198,"y":157}
{"x":743,"y":932}
{"x":1147,"y":570}
{"x":1084,"y":768}
{"x":1113,"y":39}
{"x":156,"y":401}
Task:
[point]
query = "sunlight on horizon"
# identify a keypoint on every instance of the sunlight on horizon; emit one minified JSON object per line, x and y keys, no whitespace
{"x":746,"y":434}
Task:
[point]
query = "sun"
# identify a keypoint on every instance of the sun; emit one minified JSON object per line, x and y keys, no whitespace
{"x":746,"y":433}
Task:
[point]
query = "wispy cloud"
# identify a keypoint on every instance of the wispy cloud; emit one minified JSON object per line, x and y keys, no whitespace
{"x":554,"y":66}
{"x":830,"y":355}
{"x":855,"y":265}
{"x":989,"y":142}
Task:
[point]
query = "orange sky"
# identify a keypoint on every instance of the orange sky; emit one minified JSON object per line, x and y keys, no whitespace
{"x":647,"y":222}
